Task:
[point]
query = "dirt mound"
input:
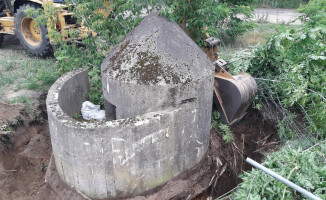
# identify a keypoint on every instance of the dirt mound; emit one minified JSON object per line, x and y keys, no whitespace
{"x":9,"y":112}
{"x":23,"y":165}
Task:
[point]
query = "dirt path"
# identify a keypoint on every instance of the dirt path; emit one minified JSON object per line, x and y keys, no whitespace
{"x":278,"y":16}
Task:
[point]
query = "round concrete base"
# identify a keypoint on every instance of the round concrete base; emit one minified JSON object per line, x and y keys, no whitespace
{"x":125,"y":157}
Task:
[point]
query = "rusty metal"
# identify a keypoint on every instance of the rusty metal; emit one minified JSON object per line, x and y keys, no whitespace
{"x":211,"y":47}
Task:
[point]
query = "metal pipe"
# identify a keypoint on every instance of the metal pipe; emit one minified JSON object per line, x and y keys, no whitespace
{"x":283,"y":180}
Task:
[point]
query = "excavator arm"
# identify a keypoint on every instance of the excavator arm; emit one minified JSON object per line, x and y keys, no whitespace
{"x":232,"y":94}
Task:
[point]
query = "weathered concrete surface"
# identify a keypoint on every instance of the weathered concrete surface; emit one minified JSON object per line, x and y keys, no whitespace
{"x":156,"y":66}
{"x":123,"y":157}
{"x":162,"y":126}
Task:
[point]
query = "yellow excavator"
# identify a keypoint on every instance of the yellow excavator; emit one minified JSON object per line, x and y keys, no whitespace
{"x":15,"y":21}
{"x":233,"y":94}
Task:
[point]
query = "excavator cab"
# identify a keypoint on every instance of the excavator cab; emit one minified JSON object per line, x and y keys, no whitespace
{"x":232,"y":94}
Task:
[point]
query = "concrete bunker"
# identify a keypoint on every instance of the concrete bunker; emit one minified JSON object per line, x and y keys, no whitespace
{"x":157,"y":85}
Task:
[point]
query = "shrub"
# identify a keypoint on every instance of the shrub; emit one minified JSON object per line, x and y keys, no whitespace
{"x":305,"y":168}
{"x":219,"y":127}
{"x":217,"y":18}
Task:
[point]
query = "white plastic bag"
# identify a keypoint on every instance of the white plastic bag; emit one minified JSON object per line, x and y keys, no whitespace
{"x":90,"y":111}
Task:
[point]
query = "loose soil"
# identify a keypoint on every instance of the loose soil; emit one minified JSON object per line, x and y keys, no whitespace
{"x":27,"y":171}
{"x":9,"y":113}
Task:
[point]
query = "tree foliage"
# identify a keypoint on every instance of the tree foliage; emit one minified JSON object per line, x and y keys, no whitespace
{"x":218,"y":18}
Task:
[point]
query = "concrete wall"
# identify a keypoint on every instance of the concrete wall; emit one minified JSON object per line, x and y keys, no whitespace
{"x":72,"y":88}
{"x":124,"y":157}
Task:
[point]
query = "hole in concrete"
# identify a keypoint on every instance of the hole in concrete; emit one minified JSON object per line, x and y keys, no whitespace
{"x":188,"y":100}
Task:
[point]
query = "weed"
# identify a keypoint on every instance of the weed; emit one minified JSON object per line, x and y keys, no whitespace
{"x":225,"y":131}
{"x":6,"y":128}
{"x":260,"y":34}
{"x":227,"y":135}
{"x":32,"y":84}
{"x":16,"y":122}
{"x":5,"y":140}
{"x":6,"y":79}
{"x":5,"y":131}
{"x":262,"y":18}
{"x":77,"y":116}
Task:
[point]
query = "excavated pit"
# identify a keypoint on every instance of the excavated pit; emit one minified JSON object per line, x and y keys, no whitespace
{"x":140,"y":98}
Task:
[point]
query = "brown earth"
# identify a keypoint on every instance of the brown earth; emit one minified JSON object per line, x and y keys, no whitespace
{"x":9,"y":112}
{"x":25,"y":163}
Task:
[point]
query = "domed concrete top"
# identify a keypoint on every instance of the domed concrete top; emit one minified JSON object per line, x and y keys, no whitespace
{"x":157,"y":52}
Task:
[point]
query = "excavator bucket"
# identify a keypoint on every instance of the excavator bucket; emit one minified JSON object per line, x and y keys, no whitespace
{"x":233,"y":94}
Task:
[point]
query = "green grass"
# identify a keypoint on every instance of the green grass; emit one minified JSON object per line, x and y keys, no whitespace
{"x":259,"y":34}
{"x":280,"y":3}
{"x":249,"y":39}
{"x":19,"y":70}
{"x":21,"y":99}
